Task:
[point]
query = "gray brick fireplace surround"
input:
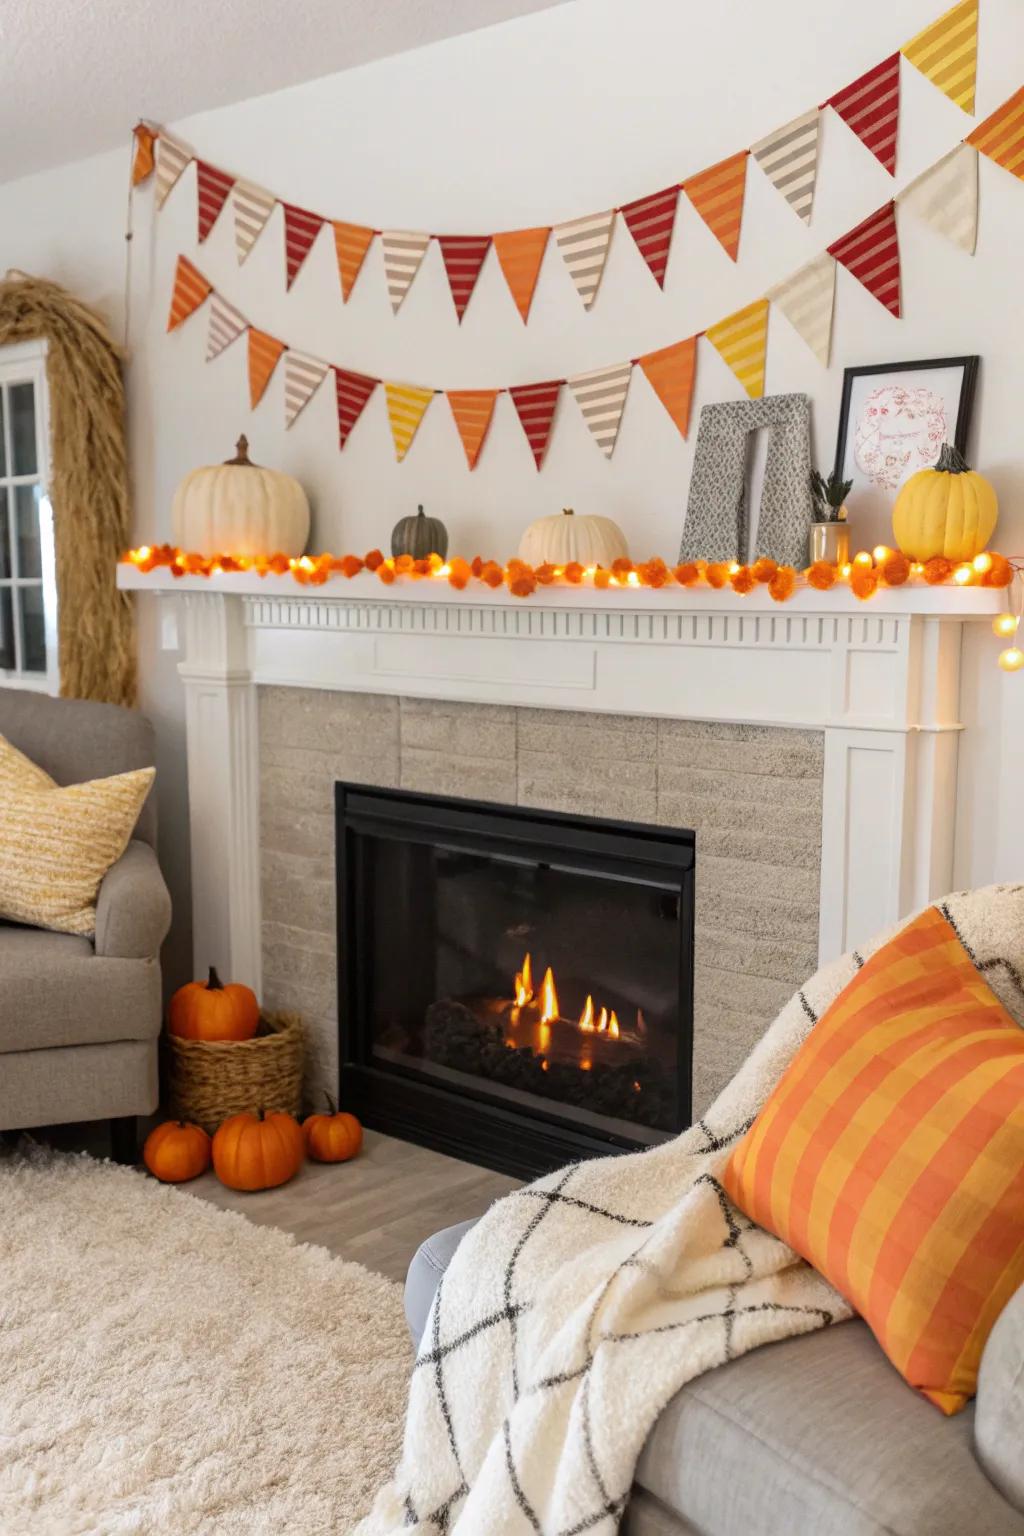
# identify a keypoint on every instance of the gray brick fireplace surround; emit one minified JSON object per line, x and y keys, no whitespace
{"x":752,"y":794}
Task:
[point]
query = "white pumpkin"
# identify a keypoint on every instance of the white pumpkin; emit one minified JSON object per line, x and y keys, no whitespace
{"x":562,"y":539}
{"x":239,"y":508}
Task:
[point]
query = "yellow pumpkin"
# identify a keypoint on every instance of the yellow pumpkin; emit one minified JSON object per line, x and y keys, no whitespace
{"x":948,"y":510}
{"x":258,"y":1151}
{"x":209,"y":1010}
{"x":176,"y":1151}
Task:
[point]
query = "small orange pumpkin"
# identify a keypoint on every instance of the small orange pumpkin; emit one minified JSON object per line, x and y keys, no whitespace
{"x":258,"y":1151}
{"x":208,"y":1010}
{"x":176,"y":1151}
{"x":332,"y":1138}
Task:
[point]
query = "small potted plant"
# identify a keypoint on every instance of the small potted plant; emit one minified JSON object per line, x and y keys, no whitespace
{"x":830,"y":533}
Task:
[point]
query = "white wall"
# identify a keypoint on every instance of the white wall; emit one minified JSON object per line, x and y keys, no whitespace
{"x":538,"y":120}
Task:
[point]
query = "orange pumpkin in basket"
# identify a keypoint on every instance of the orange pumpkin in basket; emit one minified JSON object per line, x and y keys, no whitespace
{"x":208,"y":1010}
{"x":176,"y":1151}
{"x":258,"y":1151}
{"x":332,"y":1138}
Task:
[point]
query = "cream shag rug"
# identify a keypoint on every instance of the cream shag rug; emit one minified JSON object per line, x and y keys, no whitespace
{"x":165,"y":1366}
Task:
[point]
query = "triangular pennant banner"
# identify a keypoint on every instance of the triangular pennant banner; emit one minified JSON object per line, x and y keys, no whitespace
{"x":741,"y":340}
{"x":872,"y":253}
{"x":472,"y":410}
{"x":264,"y":352}
{"x":226,"y":325}
{"x":871,"y":107}
{"x":807,"y":300}
{"x":946,"y":197}
{"x":717,"y":195}
{"x":601,"y":395}
{"x":252,"y":207}
{"x":213,"y":187}
{"x":1001,"y":136}
{"x":535,"y":407}
{"x":352,"y":391}
{"x":190,"y":289}
{"x":351,"y":243}
{"x":406,"y":408}
{"x":789,"y":158}
{"x":302,"y":378}
{"x":670,"y":373}
{"x":463,"y":257}
{"x":946,"y":53}
{"x":171,"y":160}
{"x":142,"y":161}
{"x":520,"y":252}
{"x":300,"y":230}
{"x":650,"y":221}
{"x":584,"y":244}
{"x":403,"y":252}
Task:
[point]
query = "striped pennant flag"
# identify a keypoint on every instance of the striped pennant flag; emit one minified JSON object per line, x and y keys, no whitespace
{"x":353,"y":390}
{"x":671,"y":372}
{"x":1001,"y":136}
{"x":535,"y":407}
{"x":807,"y":300}
{"x":472,"y":410}
{"x":717,"y":194}
{"x":946,"y":197}
{"x":226,"y":325}
{"x":142,"y":161}
{"x":252,"y":207}
{"x":871,"y":107}
{"x":789,"y":158}
{"x":171,"y":159}
{"x":946,"y":53}
{"x":463,"y":257}
{"x":300,"y":230}
{"x":741,"y":340}
{"x":213,"y":187}
{"x":650,"y":220}
{"x":520,"y":252}
{"x":403,"y":252}
{"x":264,"y":352}
{"x":303,"y":376}
{"x":189,"y":291}
{"x":584,"y":245}
{"x":601,"y":395}
{"x":351,"y":243}
{"x":406,"y":408}
{"x":872,"y":253}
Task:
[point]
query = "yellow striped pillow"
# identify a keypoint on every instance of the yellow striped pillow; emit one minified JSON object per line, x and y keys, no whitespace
{"x":56,"y":844}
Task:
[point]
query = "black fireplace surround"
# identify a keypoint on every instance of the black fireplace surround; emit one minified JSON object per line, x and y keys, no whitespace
{"x":515,"y":987}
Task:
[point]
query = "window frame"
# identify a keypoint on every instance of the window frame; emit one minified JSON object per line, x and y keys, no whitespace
{"x":25,"y":363}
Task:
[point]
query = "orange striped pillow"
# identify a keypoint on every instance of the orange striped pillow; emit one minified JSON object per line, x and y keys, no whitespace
{"x":891,"y":1156}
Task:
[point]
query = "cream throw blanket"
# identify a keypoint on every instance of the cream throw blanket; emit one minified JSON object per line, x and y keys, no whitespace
{"x":577,"y":1308}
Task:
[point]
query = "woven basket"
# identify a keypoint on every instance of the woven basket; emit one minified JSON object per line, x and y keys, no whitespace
{"x":208,"y":1080}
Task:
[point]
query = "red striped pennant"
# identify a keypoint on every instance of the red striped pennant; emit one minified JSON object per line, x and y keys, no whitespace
{"x":650,"y":220}
{"x":535,"y":407}
{"x":463,"y":258}
{"x":300,"y":230}
{"x":213,"y":188}
{"x":872,"y":253}
{"x":352,"y":390}
{"x":871,"y":107}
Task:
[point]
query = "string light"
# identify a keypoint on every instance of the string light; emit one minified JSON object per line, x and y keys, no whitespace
{"x":963,"y":575}
{"x":1012,"y":659}
{"x":881,"y":553}
{"x":1005,"y":626}
{"x":982,"y":563}
{"x":862,"y":558}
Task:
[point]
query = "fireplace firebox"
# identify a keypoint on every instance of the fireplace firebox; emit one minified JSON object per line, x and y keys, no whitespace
{"x":515,"y":985}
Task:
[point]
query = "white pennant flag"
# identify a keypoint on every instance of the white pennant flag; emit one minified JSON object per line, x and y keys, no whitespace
{"x":807,"y":299}
{"x":789,"y":158}
{"x":584,"y":244}
{"x":302,"y":378}
{"x":226,"y":324}
{"x":171,"y":159}
{"x":252,"y":207}
{"x":946,"y":197}
{"x":403,"y":252}
{"x":601,"y":395}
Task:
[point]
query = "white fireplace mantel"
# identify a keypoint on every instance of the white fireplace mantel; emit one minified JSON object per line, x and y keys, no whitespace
{"x":880,"y":679}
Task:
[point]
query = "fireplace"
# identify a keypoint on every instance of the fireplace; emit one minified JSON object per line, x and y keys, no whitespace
{"x":515,"y":986}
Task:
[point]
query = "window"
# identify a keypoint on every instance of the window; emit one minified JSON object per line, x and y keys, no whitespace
{"x":28,"y":588}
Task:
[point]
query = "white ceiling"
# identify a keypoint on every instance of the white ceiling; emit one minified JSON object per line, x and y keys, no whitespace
{"x":75,"y":74}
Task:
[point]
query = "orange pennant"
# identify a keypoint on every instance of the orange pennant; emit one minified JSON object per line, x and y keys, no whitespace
{"x":351,"y":242}
{"x":264,"y":354}
{"x":670,"y":373}
{"x":520,"y":252}
{"x":142,"y":165}
{"x":717,"y":195}
{"x":472,"y":409}
{"x":1001,"y":136}
{"x":190,"y":290}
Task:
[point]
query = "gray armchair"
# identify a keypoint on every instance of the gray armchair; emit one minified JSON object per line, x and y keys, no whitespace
{"x":79,"y":1018}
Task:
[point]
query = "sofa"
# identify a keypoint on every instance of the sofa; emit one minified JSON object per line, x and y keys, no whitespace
{"x":817,"y":1436}
{"x":80,"y":1018}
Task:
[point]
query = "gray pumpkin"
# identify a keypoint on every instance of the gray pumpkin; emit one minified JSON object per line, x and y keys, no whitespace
{"x":420,"y":536}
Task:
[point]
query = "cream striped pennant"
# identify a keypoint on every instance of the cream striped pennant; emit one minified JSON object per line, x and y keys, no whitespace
{"x":302,"y":378}
{"x":584,"y":245}
{"x":226,"y":324}
{"x":789,"y":158}
{"x":946,"y":197}
{"x":946,"y":53}
{"x":171,"y":160}
{"x":807,"y":300}
{"x":403,"y":252}
{"x":741,"y":340}
{"x":601,"y":396}
{"x":251,"y":207}
{"x":406,"y":408}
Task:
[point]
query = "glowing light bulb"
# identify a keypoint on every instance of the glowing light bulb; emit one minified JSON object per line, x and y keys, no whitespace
{"x":734,"y":567}
{"x":982,"y":563}
{"x":444,"y":570}
{"x":141,"y":554}
{"x":916,"y":568}
{"x":588,"y":570}
{"x":881,"y":553}
{"x":1012,"y":659}
{"x":963,"y":575}
{"x":862,"y":558}
{"x":1006,"y":625}
{"x":633,"y":579}
{"x":844,"y":570}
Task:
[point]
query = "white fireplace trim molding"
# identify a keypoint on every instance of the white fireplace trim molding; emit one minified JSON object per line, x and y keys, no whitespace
{"x":881,"y":680}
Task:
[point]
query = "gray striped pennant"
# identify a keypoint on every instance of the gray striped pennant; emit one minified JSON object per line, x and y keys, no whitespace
{"x":584,"y":244}
{"x":806,"y":299}
{"x":171,"y":159}
{"x":946,"y":197}
{"x":226,"y":324}
{"x":302,"y":378}
{"x":252,"y":207}
{"x":601,"y":395}
{"x":403,"y":252}
{"x":789,"y":158}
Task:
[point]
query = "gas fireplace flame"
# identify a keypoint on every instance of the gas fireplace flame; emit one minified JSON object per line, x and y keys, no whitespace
{"x":587,"y":1016}
{"x":524,"y":984}
{"x":548,"y":999}
{"x":591,"y":1020}
{"x":613,"y":1026}
{"x":602,"y":1021}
